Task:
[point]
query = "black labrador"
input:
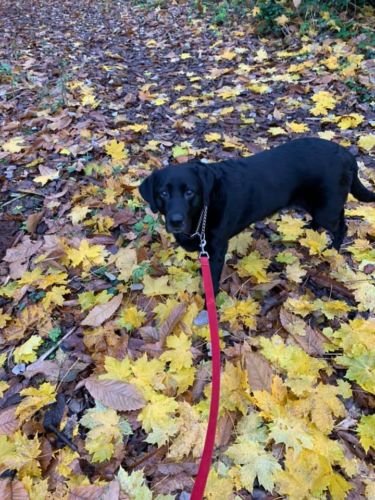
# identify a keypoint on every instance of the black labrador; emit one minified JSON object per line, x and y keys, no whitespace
{"x":311,"y":173}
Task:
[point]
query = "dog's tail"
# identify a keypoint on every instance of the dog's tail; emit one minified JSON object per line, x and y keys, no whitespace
{"x":360,"y":192}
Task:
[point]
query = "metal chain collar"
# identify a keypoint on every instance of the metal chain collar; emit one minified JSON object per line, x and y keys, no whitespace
{"x":201,"y":232}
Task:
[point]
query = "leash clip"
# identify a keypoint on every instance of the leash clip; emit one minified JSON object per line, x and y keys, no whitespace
{"x":202,"y":244}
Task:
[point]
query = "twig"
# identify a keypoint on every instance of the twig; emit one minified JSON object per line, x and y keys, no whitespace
{"x":53,"y":348}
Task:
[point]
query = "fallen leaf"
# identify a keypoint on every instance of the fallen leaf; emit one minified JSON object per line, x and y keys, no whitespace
{"x":101,"y":313}
{"x":115,"y":394}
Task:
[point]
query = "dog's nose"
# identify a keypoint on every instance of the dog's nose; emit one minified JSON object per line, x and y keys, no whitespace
{"x":176,"y":220}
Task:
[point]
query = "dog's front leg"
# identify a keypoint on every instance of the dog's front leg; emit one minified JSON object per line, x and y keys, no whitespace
{"x":216,"y":251}
{"x":216,"y":254}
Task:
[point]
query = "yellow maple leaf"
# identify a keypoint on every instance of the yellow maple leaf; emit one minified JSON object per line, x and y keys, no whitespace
{"x":332,"y":308}
{"x":323,"y":102}
{"x":137,"y":127}
{"x":321,"y":404}
{"x":252,"y":462}
{"x":261,"y":55}
{"x":55,"y":278}
{"x":159,"y":101}
{"x":26,"y":352}
{"x":177,"y":382}
{"x":133,"y":485}
{"x":157,"y":286}
{"x":254,"y":265}
{"x":241,"y":311}
{"x":226,"y":54}
{"x":191,"y":434}
{"x":218,"y":483}
{"x":164,"y":309}
{"x":291,"y":228}
{"x":78,"y":214}
{"x":356,"y":337}
{"x":292,"y":432}
{"x":179,"y":354}
{"x":363,"y":252}
{"x":367,"y":212}
{"x":65,"y":152}
{"x":295,"y":272}
{"x":228,"y":92}
{"x":235,"y":393}
{"x":14,"y":145}
{"x":117,"y":369}
{"x":185,"y":55}
{"x":131,"y":318}
{"x":240,"y":243}
{"x":36,"y":398}
{"x":20,"y":453}
{"x":227,"y":110}
{"x":258,"y":88}
{"x":88,"y":99}
{"x":157,"y":418}
{"x":293,"y":360}
{"x":367,"y":142}
{"x":349,"y":121}
{"x":301,"y":305}
{"x":366,"y":432}
{"x":331,"y":62}
{"x":148,"y":376}
{"x":116,"y":150}
{"x":106,"y":432}
{"x":152,"y":145}
{"x":87,"y":255}
{"x":308,"y":475}
{"x":298,"y":128}
{"x":232,"y":142}
{"x":282,"y":20}
{"x":55,"y":296}
{"x":327,"y":134}
{"x":276,"y":131}
{"x":272,"y":405}
{"x":212,"y":137}
{"x":314,"y":241}
{"x":65,"y":457}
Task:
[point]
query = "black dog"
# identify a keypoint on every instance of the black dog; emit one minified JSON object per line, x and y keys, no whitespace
{"x":314,"y":174}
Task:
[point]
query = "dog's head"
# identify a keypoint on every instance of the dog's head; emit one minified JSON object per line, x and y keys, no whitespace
{"x":179,"y":193}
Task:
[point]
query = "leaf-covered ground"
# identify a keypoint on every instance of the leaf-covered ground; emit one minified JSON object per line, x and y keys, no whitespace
{"x":105,"y":381}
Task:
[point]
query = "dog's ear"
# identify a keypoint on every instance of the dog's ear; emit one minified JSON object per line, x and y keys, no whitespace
{"x":207,"y":178}
{"x":147,"y":191}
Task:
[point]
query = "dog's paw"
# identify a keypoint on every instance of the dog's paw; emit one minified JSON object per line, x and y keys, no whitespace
{"x":201,"y":319}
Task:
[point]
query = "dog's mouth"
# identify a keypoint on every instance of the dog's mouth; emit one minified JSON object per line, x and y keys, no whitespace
{"x":181,"y":228}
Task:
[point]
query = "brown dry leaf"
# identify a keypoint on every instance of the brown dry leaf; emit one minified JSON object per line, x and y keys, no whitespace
{"x":54,"y":371}
{"x":18,"y":256}
{"x":12,"y":490}
{"x":115,"y":394}
{"x":33,"y":221}
{"x":169,"y":324}
{"x":99,"y":314}
{"x":8,"y":422}
{"x":259,"y":371}
{"x":312,"y":341}
{"x":87,"y":492}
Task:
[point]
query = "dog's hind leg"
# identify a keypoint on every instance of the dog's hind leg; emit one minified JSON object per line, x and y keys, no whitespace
{"x":333,"y":221}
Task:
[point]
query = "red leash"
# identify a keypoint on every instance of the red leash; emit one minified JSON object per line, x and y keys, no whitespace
{"x":205,"y":463}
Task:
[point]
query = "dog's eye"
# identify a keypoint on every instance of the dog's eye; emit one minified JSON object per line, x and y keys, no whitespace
{"x":163,"y":194}
{"x":189,"y":193}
